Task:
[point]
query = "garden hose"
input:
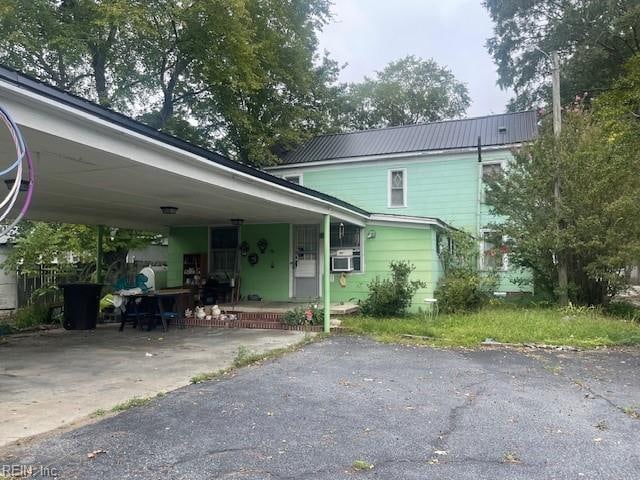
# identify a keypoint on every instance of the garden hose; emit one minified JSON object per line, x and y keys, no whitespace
{"x":22,"y":157}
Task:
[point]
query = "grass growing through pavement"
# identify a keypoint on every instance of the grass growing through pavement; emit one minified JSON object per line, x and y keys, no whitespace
{"x":579,"y":327}
{"x":246,"y":357}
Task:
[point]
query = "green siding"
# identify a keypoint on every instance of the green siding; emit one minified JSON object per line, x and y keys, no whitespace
{"x":391,"y":243}
{"x":184,"y":240}
{"x":269,"y":278}
{"x":441,"y":186}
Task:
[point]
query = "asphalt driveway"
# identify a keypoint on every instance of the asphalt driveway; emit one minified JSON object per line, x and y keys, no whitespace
{"x":410,"y":412}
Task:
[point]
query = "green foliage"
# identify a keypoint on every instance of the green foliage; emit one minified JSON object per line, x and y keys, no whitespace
{"x":594,"y":225}
{"x":247,"y":71}
{"x":310,"y":315}
{"x":594,"y":37}
{"x":463,"y":288}
{"x":406,"y":91}
{"x":392,"y":296}
{"x":39,"y":243}
{"x":135,"y":402}
{"x":586,"y":328}
{"x":624,"y":310}
{"x":32,"y":316}
{"x":464,"y":292}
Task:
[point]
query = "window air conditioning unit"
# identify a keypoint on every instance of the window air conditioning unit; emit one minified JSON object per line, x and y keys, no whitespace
{"x":342,"y":264}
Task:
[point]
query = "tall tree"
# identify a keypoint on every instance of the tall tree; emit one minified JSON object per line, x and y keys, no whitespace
{"x":597,"y":155}
{"x":406,"y":91}
{"x":77,"y":45}
{"x":287,"y":95}
{"x":243,"y":75}
{"x":594,"y":38}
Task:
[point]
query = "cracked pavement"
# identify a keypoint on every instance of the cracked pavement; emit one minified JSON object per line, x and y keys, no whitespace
{"x":412,"y":412}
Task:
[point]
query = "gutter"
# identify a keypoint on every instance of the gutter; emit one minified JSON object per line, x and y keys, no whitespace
{"x":382,"y":157}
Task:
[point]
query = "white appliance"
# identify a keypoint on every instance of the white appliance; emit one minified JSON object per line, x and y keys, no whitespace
{"x":341,"y":264}
{"x":157,"y":277}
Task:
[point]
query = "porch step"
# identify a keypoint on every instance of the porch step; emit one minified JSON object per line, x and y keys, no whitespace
{"x":244,"y":323}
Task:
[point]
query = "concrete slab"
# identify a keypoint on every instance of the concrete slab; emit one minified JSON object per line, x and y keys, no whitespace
{"x":52,"y":378}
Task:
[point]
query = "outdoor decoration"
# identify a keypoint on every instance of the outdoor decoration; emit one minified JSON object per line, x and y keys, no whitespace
{"x":253,"y":258}
{"x":17,"y":184}
{"x":244,"y":248}
{"x":262,"y":245}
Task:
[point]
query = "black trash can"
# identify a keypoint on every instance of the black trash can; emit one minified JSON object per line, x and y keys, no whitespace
{"x":81,"y":303}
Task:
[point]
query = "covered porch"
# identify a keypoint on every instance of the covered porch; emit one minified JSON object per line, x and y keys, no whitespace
{"x":96,"y":167}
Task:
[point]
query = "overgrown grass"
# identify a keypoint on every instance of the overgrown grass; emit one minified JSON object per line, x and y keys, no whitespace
{"x":131,"y":403}
{"x":245,"y":357}
{"x":579,"y":327}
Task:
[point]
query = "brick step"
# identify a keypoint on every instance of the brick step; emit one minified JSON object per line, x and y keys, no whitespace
{"x":240,"y":323}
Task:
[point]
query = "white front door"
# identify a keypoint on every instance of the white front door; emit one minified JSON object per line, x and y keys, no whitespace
{"x":305,"y":261}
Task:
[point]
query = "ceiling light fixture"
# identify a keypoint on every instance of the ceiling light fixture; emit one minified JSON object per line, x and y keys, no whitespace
{"x":169,"y":210}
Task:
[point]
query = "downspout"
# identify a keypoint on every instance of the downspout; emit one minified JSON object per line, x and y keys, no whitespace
{"x":326,"y":237}
{"x":479,"y":187}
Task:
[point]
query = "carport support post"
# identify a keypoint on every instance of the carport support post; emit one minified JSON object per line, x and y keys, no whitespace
{"x":326,"y":272}
{"x":99,"y":255}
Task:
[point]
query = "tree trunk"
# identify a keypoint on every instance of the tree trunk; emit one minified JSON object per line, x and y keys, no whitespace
{"x":98,"y":63}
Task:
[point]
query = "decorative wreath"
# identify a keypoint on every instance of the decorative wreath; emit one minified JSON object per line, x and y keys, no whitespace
{"x":262,"y":245}
{"x":253,"y":258}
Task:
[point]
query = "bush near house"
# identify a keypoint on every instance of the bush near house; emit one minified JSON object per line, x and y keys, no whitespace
{"x":392,"y":296}
{"x":311,"y":315}
{"x":463,"y":288}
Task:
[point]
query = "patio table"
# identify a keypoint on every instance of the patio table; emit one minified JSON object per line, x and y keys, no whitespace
{"x":182,"y":300}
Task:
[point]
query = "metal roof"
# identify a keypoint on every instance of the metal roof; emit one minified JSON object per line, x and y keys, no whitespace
{"x":493,"y":130}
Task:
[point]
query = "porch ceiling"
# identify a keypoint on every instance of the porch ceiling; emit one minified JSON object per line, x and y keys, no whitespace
{"x":80,"y":184}
{"x":93,"y":171}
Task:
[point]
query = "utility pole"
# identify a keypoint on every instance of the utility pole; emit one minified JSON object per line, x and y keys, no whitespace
{"x":563,"y":294}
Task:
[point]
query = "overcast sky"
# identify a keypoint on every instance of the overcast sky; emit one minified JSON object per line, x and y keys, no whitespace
{"x":368,"y":34}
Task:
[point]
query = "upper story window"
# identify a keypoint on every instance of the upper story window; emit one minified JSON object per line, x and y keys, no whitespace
{"x":491,"y":171}
{"x":297,"y":179}
{"x":397,"y":188}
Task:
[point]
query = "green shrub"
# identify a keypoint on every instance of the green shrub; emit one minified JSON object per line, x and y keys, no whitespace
{"x":32,"y":316}
{"x":392,"y":296}
{"x":464,"y":292}
{"x":310,"y":315}
{"x":624,"y":310}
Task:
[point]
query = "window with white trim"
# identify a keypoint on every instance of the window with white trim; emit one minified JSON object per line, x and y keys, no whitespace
{"x":494,"y":252}
{"x":297,"y":179}
{"x":347,"y":237}
{"x":397,"y":188}
{"x":490,"y":171}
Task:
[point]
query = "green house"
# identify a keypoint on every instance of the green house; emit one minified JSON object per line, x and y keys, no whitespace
{"x":316,"y":228}
{"x":403,"y":186}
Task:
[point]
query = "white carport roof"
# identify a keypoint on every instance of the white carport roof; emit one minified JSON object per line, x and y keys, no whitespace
{"x":95,"y":166}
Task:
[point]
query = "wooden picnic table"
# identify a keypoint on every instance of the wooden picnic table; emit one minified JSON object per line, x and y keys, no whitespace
{"x":182,"y":299}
